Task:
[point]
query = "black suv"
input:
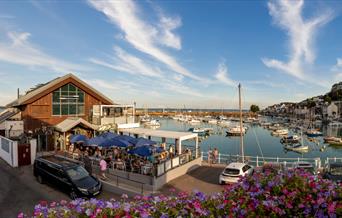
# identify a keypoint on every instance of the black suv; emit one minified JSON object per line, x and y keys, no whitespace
{"x":67,"y":175}
{"x":333,"y":171}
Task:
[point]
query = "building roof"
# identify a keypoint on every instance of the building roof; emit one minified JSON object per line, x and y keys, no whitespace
{"x":71,"y":122}
{"x":55,"y":84}
{"x":160,"y":133}
{"x":7,"y":114}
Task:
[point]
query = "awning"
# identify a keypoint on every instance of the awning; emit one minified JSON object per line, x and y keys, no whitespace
{"x":72,"y":122}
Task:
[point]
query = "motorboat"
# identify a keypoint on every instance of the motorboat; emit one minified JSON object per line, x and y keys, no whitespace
{"x":224,"y":123}
{"x":152,"y":123}
{"x":212,"y":121}
{"x":335,"y":123}
{"x":280,"y":132}
{"x":333,"y":140}
{"x":314,"y":133}
{"x":298,"y":147}
{"x":290,"y":139}
{"x":235,"y":131}
{"x":194,"y":121}
{"x":197,"y":130}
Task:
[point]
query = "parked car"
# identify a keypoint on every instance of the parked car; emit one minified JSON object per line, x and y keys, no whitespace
{"x":333,"y":171}
{"x":66,"y":175}
{"x":233,"y":172}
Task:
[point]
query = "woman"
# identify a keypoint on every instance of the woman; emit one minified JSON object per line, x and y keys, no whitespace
{"x":103,"y":168}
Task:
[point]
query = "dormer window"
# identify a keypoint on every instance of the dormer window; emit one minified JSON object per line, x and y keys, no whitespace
{"x":68,"y":100}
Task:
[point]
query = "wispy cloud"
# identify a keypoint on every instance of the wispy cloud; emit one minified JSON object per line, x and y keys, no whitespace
{"x":222,"y":75}
{"x":18,"y":50}
{"x":6,"y":16}
{"x":125,"y":62}
{"x":142,"y":35}
{"x":288,"y":15}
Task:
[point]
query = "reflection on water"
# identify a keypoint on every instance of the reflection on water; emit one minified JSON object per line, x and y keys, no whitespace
{"x":270,"y":146}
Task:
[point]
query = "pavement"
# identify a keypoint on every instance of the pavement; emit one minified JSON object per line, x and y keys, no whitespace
{"x":20,"y":192}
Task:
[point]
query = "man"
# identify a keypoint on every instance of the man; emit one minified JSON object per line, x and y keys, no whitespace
{"x":87,"y":163}
{"x":216,"y":154}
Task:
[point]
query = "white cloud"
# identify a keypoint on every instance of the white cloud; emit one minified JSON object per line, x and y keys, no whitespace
{"x":222,"y":75}
{"x":289,"y":17}
{"x":167,"y":37}
{"x":128,"y":63}
{"x":144,"y":36}
{"x":18,"y":50}
{"x":339,"y":62}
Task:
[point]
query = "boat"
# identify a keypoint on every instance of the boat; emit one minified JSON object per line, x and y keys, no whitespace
{"x":212,"y":121}
{"x":313,"y":133}
{"x":152,"y":123}
{"x":290,"y":139}
{"x":197,"y":130}
{"x":194,"y":121}
{"x":333,"y":140}
{"x":145,"y":119}
{"x":280,"y":132}
{"x":224,"y":123}
{"x":298,"y":147}
{"x":235,"y":131}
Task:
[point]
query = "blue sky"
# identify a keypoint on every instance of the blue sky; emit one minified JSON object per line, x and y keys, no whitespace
{"x":175,"y":53}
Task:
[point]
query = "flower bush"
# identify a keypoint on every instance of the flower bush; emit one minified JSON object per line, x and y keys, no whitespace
{"x":265,"y":194}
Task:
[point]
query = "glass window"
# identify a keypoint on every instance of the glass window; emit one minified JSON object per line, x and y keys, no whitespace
{"x":65,"y":109}
{"x":72,"y":109}
{"x":68,"y":100}
{"x":56,"y":109}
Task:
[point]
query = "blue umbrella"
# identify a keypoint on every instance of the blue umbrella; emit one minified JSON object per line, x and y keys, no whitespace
{"x":78,"y":138}
{"x":109,"y":142}
{"x":143,"y":151}
{"x":108,"y":135}
{"x":144,"y":142}
{"x":126,"y":138}
{"x":96,"y":140}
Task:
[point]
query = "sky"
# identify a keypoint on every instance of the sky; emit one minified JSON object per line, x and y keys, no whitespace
{"x":183,"y":54}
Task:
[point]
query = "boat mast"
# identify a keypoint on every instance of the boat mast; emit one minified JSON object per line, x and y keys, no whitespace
{"x":241,"y":136}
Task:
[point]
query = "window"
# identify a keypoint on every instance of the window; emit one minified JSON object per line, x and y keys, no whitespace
{"x":68,"y":100}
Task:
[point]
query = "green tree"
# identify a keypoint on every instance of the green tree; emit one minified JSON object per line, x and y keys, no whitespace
{"x":327,"y":98}
{"x":254,"y":108}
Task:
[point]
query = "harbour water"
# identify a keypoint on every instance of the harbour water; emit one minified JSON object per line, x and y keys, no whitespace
{"x":270,"y":146}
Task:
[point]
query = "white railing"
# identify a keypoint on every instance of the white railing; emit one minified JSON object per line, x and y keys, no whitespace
{"x":259,"y":160}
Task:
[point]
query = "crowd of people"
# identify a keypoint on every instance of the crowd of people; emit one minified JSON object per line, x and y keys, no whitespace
{"x":121,"y":159}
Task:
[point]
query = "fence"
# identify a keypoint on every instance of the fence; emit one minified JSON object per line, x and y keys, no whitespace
{"x":9,"y":151}
{"x":259,"y":161}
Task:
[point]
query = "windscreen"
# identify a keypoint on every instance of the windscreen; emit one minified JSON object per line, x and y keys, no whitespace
{"x":77,"y":173}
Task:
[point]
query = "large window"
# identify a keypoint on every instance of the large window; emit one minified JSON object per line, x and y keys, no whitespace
{"x":68,"y":100}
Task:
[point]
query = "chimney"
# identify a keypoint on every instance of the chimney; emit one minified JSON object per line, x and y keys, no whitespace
{"x":18,"y":93}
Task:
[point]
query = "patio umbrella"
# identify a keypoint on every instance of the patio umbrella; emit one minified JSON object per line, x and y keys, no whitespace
{"x":96,"y":140}
{"x":143,"y":151}
{"x":109,"y":142}
{"x":144,"y":142}
{"x":126,"y":138}
{"x":78,"y":138}
{"x":108,"y":135}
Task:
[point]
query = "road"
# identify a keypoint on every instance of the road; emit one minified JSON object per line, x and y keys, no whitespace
{"x":20,"y":192}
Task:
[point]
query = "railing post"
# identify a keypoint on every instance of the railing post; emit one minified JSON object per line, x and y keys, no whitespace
{"x":257,"y":161}
{"x":277,"y":159}
{"x":219,"y":158}
{"x":202,"y":156}
{"x":285,"y":164}
{"x":117,"y":181}
{"x":335,"y":159}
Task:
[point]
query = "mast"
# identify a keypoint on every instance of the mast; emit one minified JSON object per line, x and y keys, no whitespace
{"x":241,"y":135}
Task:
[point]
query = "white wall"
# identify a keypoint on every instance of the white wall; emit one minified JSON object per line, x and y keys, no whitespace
{"x":10,"y":155}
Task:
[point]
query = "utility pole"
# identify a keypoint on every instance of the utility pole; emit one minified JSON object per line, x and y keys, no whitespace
{"x":241,"y":135}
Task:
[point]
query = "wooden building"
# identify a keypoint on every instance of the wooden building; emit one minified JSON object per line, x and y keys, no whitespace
{"x":49,"y":104}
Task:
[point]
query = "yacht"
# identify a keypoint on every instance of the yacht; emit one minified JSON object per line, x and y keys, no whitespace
{"x":333,"y":140}
{"x":314,"y":133}
{"x":235,"y":131}
{"x":280,"y":132}
{"x":290,"y":139}
{"x":212,"y":121}
{"x":194,"y":121}
{"x":152,"y":123}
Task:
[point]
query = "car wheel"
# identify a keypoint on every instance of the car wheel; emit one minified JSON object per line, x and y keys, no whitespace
{"x":40,"y":179}
{"x":73,"y":195}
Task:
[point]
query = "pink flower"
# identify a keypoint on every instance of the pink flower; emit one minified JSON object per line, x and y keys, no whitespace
{"x":331,"y":208}
{"x":21,"y":215}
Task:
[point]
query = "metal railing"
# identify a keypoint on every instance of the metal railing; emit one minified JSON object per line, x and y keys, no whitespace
{"x":259,"y":160}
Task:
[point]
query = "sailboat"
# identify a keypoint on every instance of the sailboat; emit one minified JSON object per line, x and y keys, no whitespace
{"x":299,"y":147}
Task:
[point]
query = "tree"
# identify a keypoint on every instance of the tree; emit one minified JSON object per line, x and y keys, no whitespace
{"x":327,"y":98}
{"x":254,"y":108}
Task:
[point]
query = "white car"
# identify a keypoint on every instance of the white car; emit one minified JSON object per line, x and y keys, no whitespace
{"x":233,"y":172}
